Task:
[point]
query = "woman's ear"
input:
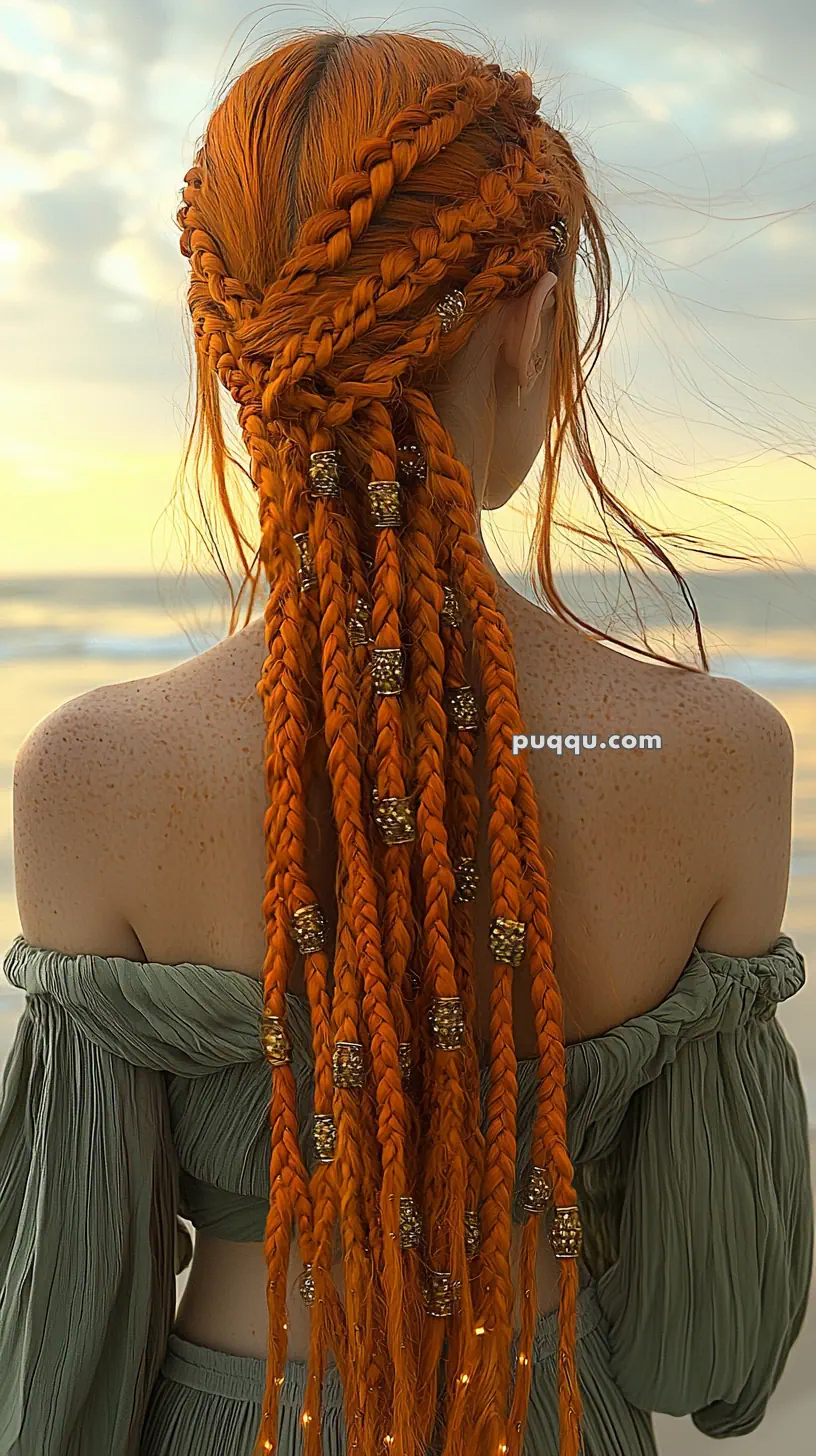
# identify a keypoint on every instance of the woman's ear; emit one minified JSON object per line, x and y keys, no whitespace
{"x":524,"y":327}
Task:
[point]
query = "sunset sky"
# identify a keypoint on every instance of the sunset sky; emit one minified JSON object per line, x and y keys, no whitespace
{"x":695,"y":120}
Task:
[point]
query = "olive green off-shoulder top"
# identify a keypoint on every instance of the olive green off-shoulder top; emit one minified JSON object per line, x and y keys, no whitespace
{"x":137,"y":1092}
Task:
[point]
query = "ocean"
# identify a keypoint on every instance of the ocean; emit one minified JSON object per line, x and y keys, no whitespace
{"x":61,"y":636}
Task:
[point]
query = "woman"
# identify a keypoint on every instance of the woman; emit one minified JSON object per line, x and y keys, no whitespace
{"x":227,"y":880}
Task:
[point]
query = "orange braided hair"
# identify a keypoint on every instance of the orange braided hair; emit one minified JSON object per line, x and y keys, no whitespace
{"x":345,"y":186}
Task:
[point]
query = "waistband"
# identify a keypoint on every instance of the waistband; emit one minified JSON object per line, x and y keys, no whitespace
{"x":243,"y":1377}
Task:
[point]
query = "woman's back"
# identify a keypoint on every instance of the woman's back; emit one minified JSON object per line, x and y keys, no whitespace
{"x":654,"y":850}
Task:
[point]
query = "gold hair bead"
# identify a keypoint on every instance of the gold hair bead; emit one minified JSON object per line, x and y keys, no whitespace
{"x":473,"y":1233}
{"x":441,"y":1292}
{"x":450,"y":613}
{"x":325,"y":1137}
{"x":467,"y":879}
{"x":451,"y":310}
{"x":386,"y":507}
{"x":306,"y":571}
{"x":411,"y":463}
{"x":395,"y":820}
{"x":324,"y":474}
{"x":447,"y":1022}
{"x":308,"y":929}
{"x":275,"y":1041}
{"x":537,"y":1192}
{"x":463,"y":709}
{"x":410,"y":1223}
{"x":565,"y":1235}
{"x":307,"y":1286}
{"x":560,"y":231}
{"x":388,"y":670}
{"x":348,"y":1066}
{"x":359,"y":623}
{"x":406,"y":1065}
{"x":507,"y":941}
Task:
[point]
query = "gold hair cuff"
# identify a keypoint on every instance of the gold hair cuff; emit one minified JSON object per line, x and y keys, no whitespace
{"x":388,"y":670}
{"x":359,"y":624}
{"x":275,"y":1041}
{"x":348,"y":1066}
{"x":463,"y":709}
{"x":306,"y":1285}
{"x":560,"y":231}
{"x":406,"y":1065}
{"x":467,"y":880}
{"x":411,"y":463}
{"x":386,"y":507}
{"x":325,"y":1137}
{"x":447,"y":1022}
{"x":441,"y":1291}
{"x":473,"y":1233}
{"x":450,"y":613}
{"x":451,"y":310}
{"x":395,"y":820}
{"x":507,"y":941}
{"x":324,"y":474}
{"x":537,"y":1191}
{"x":307,"y":576}
{"x":308,"y":929}
{"x":565,"y":1235}
{"x":410,"y":1224}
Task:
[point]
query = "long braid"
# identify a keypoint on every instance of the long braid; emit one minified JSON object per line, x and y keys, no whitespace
{"x":492,"y":636}
{"x":451,"y":1106}
{"x":499,"y":1173}
{"x":345,"y":768}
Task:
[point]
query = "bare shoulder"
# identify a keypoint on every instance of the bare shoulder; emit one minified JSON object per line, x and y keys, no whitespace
{"x":730,"y":784}
{"x":67,"y":810}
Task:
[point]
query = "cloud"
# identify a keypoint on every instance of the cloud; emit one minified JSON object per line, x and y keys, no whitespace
{"x":73,"y":224}
{"x":762,"y":126}
{"x":144,"y":266}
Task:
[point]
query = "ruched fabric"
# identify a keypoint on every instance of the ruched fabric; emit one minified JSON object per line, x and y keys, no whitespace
{"x":206,"y":1403}
{"x":137,"y":1092}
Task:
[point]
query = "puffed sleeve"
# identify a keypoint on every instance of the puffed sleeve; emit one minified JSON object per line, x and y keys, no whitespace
{"x":88,"y":1230}
{"x":700,"y":1210}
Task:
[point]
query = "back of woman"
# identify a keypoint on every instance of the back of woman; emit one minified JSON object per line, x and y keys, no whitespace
{"x":513,"y":1002}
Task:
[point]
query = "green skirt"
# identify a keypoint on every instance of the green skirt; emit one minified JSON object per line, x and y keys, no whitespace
{"x":206,"y":1403}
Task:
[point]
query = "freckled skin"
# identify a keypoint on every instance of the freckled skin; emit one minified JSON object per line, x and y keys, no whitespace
{"x":650,"y":852}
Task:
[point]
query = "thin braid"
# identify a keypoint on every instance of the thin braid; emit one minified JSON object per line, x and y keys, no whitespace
{"x":328,"y":1320}
{"x":367,"y":1396}
{"x":491,"y":635}
{"x":463,"y":805}
{"x":497,"y":679}
{"x":549,"y":1138}
{"x":345,"y":767}
{"x":452,"y":1092}
{"x":289,"y":1191}
{"x":414,"y":135}
{"x":420,"y":263}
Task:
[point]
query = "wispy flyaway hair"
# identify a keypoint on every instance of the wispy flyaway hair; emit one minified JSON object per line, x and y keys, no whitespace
{"x":357,"y":205}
